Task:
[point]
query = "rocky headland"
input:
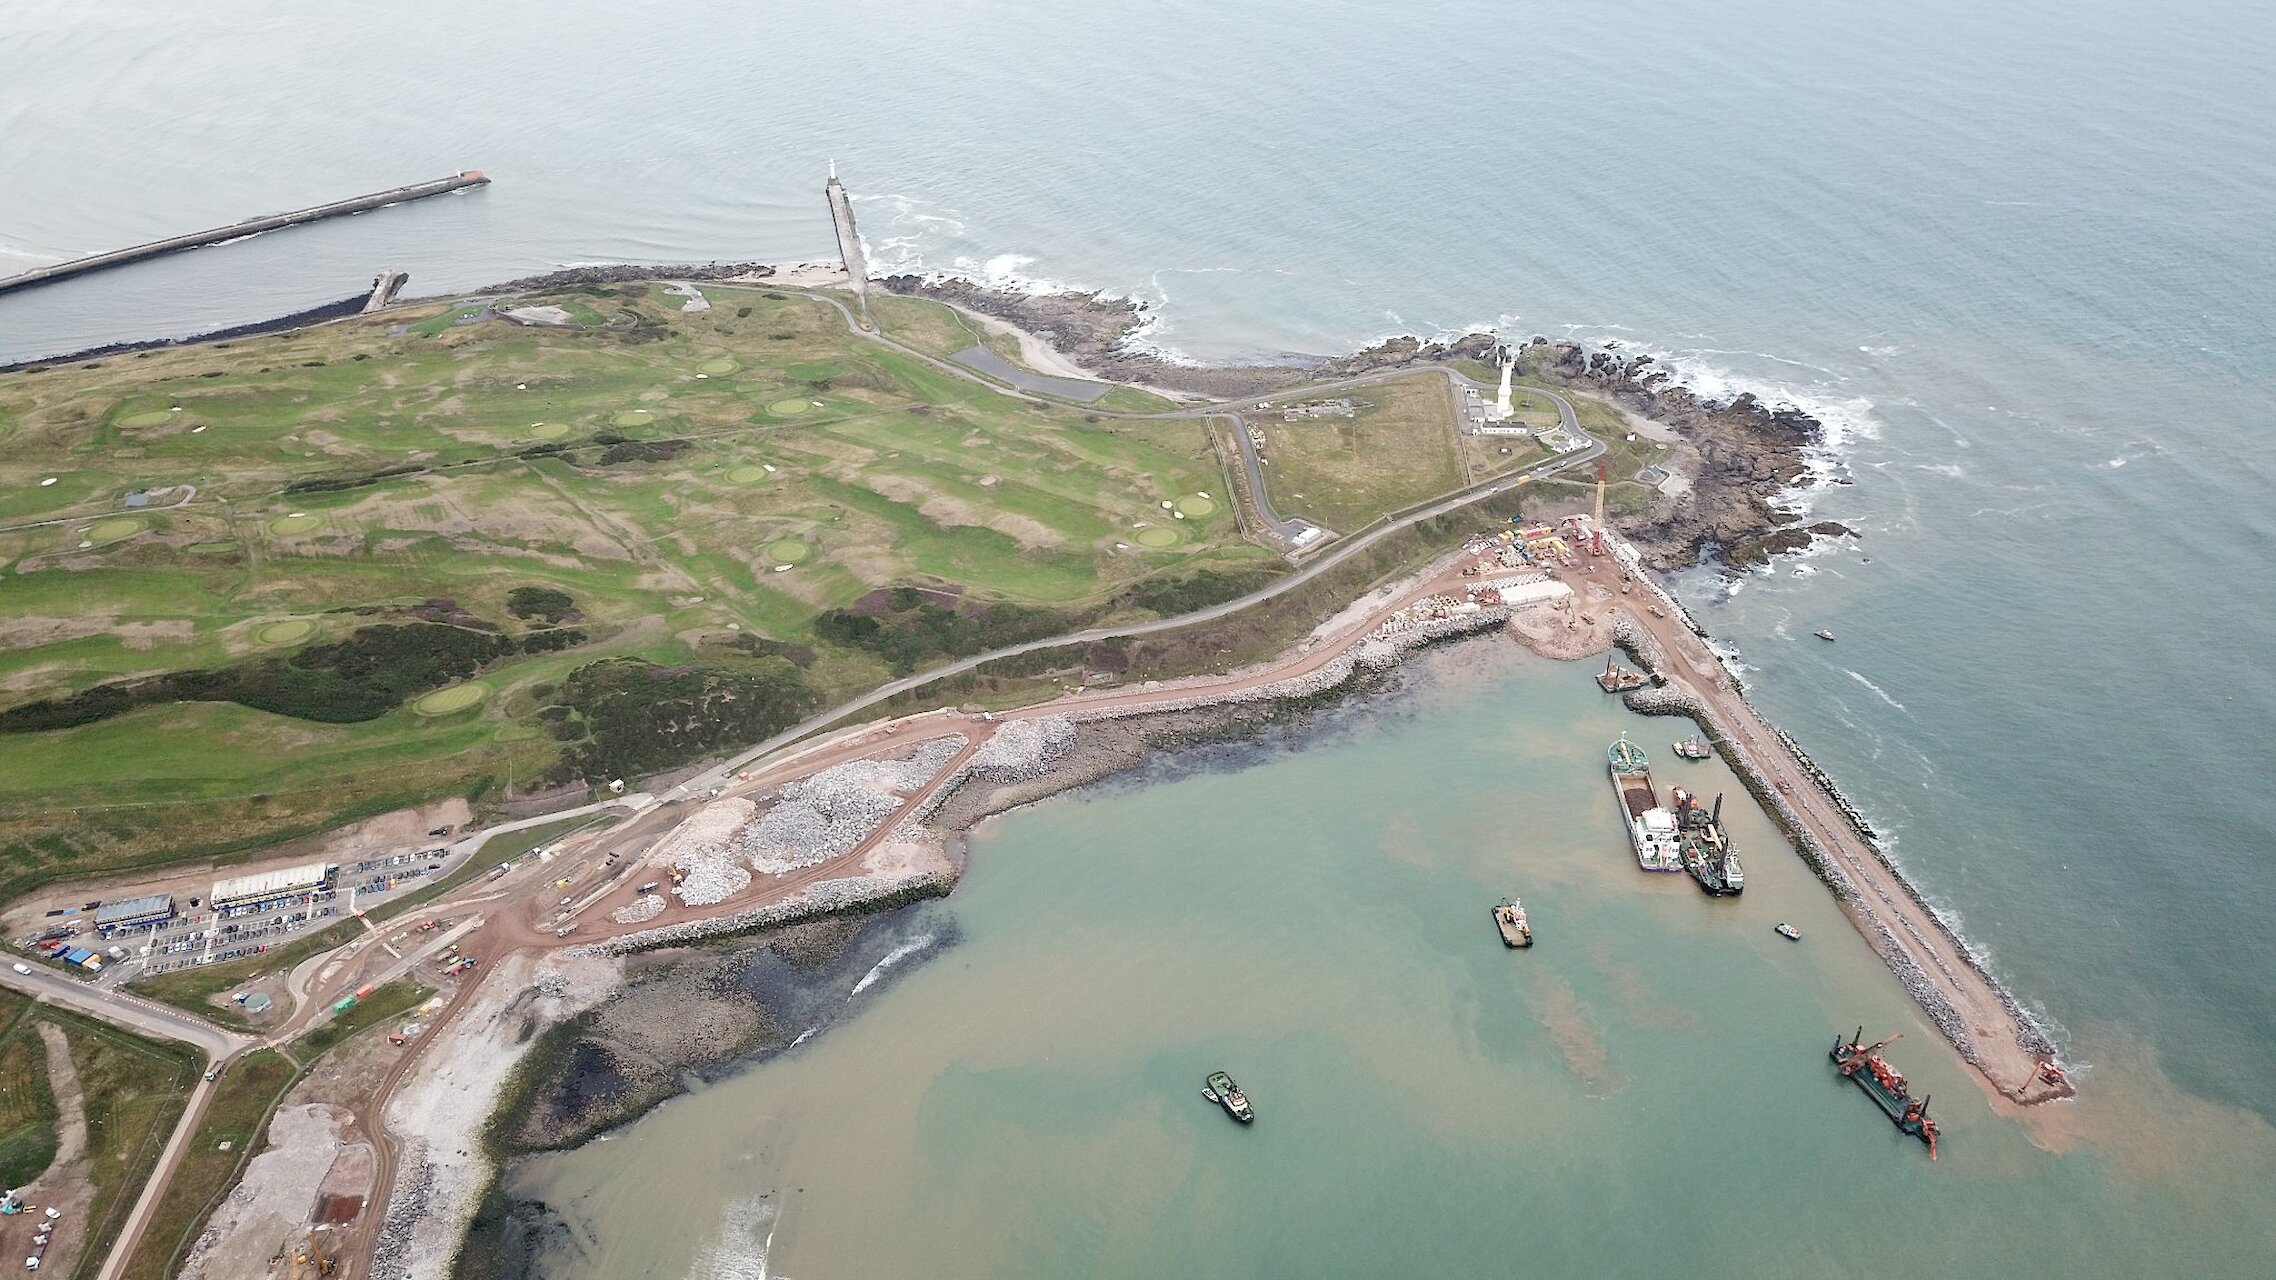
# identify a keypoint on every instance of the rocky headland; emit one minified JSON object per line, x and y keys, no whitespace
{"x":1745,"y":459}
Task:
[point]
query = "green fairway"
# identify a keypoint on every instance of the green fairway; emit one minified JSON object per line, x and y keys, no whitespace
{"x":380,"y":471}
{"x":456,"y":698}
{"x":290,"y":631}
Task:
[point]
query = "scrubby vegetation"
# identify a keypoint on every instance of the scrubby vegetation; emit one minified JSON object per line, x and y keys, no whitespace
{"x":912,"y":630}
{"x":360,"y":678}
{"x":638,"y":717}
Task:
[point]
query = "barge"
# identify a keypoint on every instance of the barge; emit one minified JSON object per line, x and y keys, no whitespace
{"x":1510,"y":919}
{"x":1865,"y":1067}
{"x":1651,"y":827}
{"x":1619,"y":679}
{"x":1706,"y":850}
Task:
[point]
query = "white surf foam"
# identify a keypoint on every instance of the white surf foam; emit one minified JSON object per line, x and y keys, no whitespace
{"x":1878,"y":691}
{"x":893,"y":957}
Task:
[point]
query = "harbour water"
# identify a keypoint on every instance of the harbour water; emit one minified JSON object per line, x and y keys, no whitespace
{"x":2021,"y":257}
{"x":1646,"y":1088}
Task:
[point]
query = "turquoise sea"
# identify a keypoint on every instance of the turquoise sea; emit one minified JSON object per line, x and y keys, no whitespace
{"x":2021,"y":257}
{"x":1643,"y":1092}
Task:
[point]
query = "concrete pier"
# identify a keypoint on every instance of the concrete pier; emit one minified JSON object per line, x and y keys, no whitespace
{"x":849,"y":240}
{"x":249,"y":227}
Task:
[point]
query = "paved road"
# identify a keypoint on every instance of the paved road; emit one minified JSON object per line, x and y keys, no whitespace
{"x":1341,"y":552}
{"x":143,"y":1017}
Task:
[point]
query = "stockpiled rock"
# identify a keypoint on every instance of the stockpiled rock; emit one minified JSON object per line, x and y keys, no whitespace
{"x":700,"y":848}
{"x":832,"y":812}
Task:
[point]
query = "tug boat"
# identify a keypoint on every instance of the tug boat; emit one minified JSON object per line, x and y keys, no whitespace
{"x":1864,"y":1066}
{"x":1516,"y":930}
{"x":1787,"y":931}
{"x":1651,"y":828}
{"x":1226,"y":1094}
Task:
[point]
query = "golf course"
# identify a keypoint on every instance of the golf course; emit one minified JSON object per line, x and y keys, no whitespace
{"x":437,"y":551}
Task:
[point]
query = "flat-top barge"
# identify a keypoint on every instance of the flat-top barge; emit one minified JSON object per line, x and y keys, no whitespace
{"x":1706,"y":850}
{"x":1651,"y":827}
{"x":1510,"y":919}
{"x":1863,"y":1064}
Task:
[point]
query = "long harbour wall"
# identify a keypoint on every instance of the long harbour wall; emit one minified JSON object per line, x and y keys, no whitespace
{"x":238,"y":230}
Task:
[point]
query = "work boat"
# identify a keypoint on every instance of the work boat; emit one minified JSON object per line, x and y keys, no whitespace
{"x":1229,"y":1096}
{"x":1651,"y":828}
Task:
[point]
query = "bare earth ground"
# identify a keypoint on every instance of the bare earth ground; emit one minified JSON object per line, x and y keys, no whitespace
{"x":64,"y":1186}
{"x":269,"y":1208}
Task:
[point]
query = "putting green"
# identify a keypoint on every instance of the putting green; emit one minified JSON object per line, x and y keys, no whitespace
{"x":787,"y":408}
{"x":153,"y":418}
{"x":288,"y":525}
{"x":1157,"y":536}
{"x":456,"y":698}
{"x":113,"y":529}
{"x":290,"y":631}
{"x":548,"y":430}
{"x":633,"y":418}
{"x":1196,"y":506}
{"x":789,"y":551}
{"x":747,"y":475}
{"x":716,"y":367}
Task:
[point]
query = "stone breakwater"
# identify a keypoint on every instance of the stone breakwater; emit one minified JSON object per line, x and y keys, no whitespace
{"x":1668,"y":700}
{"x":1376,"y":653}
{"x":824,"y":898}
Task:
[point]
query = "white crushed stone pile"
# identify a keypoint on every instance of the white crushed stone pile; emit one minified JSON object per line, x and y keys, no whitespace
{"x":1021,"y":746}
{"x":640,"y":910}
{"x":831,"y":813}
{"x":701,"y":848}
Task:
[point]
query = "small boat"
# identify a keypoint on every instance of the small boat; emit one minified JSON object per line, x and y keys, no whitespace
{"x":1823,"y":635}
{"x":1692,"y":748}
{"x":1210,"y":1094}
{"x":1788,"y":932}
{"x":1509,"y":917}
{"x":1229,"y":1097}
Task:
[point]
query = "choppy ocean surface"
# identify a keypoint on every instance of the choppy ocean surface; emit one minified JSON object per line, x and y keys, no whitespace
{"x":2021,"y":258}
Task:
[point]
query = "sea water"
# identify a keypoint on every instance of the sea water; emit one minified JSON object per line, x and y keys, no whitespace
{"x":1645,"y":1091}
{"x":2020,"y":257}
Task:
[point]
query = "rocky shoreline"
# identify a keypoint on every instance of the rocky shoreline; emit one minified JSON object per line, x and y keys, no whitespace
{"x":1745,"y":459}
